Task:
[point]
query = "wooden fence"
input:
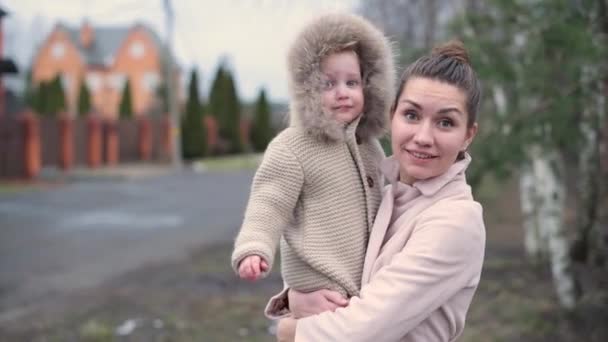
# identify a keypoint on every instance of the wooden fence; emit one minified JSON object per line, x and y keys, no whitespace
{"x":29,"y":142}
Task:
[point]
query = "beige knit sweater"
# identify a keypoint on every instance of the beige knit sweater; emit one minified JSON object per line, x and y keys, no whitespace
{"x":321,"y":198}
{"x":317,"y":189}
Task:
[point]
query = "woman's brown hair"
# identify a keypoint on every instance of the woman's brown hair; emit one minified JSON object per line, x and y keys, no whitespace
{"x":447,"y":63}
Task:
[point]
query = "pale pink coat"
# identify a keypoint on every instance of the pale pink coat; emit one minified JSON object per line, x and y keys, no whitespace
{"x":417,"y":285}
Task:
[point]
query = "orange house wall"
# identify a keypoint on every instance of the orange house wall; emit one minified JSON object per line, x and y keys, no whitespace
{"x":70,"y":64}
{"x":136,"y":68}
{"x":105,"y":99}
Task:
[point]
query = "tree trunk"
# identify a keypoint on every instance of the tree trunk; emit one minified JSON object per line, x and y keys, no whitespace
{"x":535,"y":245}
{"x":588,"y":178}
{"x":551,"y":190}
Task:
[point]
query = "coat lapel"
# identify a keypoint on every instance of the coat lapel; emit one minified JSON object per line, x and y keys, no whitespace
{"x":377,"y":234}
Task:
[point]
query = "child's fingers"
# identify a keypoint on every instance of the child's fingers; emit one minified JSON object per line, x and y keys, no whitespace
{"x":264,"y":265}
{"x":244,"y":268}
{"x":251,"y":267}
{"x":255,"y":266}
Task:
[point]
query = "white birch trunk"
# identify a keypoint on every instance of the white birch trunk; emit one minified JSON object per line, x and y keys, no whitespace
{"x":591,"y":187}
{"x":534,"y":244}
{"x":589,"y":182}
{"x":551,"y":189}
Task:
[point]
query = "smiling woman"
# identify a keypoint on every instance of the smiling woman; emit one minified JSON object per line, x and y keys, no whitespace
{"x":423,"y":260}
{"x":429,"y":128}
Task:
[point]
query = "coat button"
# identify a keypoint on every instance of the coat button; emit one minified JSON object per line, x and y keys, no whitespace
{"x":370,"y":182}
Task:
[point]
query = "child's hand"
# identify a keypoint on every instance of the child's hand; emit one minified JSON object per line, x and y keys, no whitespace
{"x":251,"y":267}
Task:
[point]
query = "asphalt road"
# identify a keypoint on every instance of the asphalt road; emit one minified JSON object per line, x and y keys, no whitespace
{"x":76,"y":236}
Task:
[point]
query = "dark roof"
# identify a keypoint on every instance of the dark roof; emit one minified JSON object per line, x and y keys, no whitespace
{"x":106,"y":42}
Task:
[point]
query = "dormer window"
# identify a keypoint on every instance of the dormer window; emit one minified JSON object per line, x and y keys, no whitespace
{"x":58,"y":50}
{"x":66,"y":82}
{"x":117,"y":81}
{"x":93,"y":82}
{"x":137,"y":49}
{"x":150,"y":81}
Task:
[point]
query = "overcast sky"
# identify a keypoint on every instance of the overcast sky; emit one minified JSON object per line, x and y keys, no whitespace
{"x":253,"y":34}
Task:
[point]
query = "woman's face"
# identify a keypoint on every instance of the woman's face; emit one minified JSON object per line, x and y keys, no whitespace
{"x":429,"y":128}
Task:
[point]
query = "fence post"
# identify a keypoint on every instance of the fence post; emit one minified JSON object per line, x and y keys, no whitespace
{"x":211,"y":131}
{"x":31,"y":136}
{"x":93,"y":141}
{"x":144,"y":138}
{"x":166,"y":137}
{"x":112,"y":142}
{"x":66,"y":140}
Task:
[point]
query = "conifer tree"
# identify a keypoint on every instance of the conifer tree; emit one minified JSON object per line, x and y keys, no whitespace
{"x":84,"y":100}
{"x":224,"y":105}
{"x":54,"y":97}
{"x":194,"y":137}
{"x":261,"y":129}
{"x":126,"y":105}
{"x":230,"y":127}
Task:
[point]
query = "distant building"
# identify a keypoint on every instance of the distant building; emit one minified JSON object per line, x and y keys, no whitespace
{"x":7,"y":66}
{"x":104,"y":58}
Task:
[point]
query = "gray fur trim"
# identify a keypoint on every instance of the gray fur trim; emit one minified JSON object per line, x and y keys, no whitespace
{"x":318,"y":38}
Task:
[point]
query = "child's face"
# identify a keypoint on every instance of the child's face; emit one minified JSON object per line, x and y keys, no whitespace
{"x":342,"y":93}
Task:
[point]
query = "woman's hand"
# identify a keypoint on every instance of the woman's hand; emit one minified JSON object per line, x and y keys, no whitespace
{"x":303,"y":304}
{"x":286,"y":330}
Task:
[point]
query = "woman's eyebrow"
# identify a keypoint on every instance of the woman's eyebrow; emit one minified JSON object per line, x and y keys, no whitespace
{"x":448,"y":110}
{"x":412,"y":103}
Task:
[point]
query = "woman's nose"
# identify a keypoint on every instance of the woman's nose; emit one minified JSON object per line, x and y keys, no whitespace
{"x":424,"y":134}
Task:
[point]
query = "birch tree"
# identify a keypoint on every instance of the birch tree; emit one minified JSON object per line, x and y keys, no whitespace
{"x":535,"y":49}
{"x":591,"y":242}
{"x":541,"y":119}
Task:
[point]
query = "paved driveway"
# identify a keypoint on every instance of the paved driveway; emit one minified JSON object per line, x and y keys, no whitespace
{"x":76,"y":236}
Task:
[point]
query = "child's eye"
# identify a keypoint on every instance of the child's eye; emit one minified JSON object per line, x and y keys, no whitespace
{"x":352,"y":83}
{"x":329,"y":84}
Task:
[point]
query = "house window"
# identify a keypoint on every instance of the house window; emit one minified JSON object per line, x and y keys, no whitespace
{"x":93,"y":82}
{"x":58,"y":50}
{"x":117,"y":81}
{"x":108,"y":60}
{"x":66,"y":82}
{"x":150,"y":81}
{"x":137,"y":49}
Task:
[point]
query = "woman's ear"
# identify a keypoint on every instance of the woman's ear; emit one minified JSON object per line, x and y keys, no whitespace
{"x":471,"y":133}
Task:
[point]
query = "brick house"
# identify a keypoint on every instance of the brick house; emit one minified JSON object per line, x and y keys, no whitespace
{"x":105,"y":58}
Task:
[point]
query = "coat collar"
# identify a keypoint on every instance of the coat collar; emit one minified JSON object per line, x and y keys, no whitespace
{"x":350,"y":128}
{"x":427,"y":187}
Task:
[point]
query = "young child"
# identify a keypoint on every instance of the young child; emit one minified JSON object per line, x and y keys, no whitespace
{"x":318,"y":187}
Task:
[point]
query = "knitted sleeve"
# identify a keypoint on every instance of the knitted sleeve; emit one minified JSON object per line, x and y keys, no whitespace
{"x":274,"y":193}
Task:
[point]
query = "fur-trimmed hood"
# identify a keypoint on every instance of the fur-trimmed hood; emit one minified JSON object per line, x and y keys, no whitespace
{"x":313,"y":43}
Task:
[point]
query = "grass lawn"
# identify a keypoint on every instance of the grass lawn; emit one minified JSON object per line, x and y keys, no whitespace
{"x":17,"y":186}
{"x":236,"y":162}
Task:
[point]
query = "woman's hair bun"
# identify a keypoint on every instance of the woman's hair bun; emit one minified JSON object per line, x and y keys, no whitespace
{"x":453,"y":49}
